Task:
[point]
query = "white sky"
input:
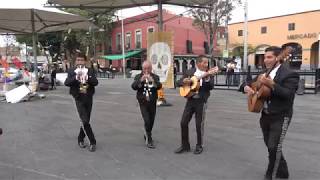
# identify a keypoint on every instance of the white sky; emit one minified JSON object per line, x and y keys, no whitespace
{"x":256,"y":8}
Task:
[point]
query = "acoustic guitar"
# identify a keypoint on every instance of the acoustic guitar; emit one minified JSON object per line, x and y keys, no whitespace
{"x":263,"y":92}
{"x":188,"y":90}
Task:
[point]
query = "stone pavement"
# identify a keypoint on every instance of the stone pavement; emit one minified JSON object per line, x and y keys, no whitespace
{"x":40,"y":139}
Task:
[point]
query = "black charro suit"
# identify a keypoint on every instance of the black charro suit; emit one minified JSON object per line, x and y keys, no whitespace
{"x":195,"y":105}
{"x":275,"y":119}
{"x":83,"y":101}
{"x":147,"y":108}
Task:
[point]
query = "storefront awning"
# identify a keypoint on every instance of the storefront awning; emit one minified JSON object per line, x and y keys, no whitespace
{"x":120,"y":56}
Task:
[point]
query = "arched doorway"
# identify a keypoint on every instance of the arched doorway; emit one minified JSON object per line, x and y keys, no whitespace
{"x":177,"y":64}
{"x":259,"y":56}
{"x":296,"y":55}
{"x":314,"y":57}
{"x":184,"y":66}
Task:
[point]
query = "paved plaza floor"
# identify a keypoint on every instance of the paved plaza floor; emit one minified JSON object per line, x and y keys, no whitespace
{"x":40,"y":139}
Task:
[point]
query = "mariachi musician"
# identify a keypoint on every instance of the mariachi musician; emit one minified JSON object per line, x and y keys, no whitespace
{"x":82,"y":82}
{"x":196,"y":104}
{"x":146,"y":84}
{"x":277,"y":109}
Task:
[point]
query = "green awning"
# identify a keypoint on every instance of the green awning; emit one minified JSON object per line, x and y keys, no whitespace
{"x":120,"y":56}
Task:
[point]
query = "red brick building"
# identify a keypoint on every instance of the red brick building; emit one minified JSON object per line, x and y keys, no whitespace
{"x":189,"y":41}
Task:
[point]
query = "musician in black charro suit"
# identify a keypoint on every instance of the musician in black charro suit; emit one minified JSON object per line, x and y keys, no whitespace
{"x":277,"y":111}
{"x":83,"y":96}
{"x":146,"y":84}
{"x":196,"y":104}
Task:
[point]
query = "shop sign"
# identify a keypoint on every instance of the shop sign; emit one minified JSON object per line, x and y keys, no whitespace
{"x":302,"y":36}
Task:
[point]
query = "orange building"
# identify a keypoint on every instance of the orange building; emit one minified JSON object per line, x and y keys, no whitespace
{"x":300,"y":30}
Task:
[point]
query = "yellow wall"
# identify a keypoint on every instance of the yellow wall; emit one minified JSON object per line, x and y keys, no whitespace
{"x":277,"y":31}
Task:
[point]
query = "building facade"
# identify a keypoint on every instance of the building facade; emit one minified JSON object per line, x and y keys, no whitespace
{"x":188,"y":41}
{"x":300,"y":31}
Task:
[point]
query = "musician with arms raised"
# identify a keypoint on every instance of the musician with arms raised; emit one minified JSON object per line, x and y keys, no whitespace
{"x":196,"y":103}
{"x":82,"y":82}
{"x":146,"y":84}
{"x":277,"y":109}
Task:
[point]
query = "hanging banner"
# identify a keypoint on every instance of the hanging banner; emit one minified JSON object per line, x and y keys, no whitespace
{"x":4,"y":63}
{"x":17,"y":62}
{"x":160,"y":53}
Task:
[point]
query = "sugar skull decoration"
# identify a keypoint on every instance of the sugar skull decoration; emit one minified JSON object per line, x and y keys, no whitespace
{"x":160,"y":57}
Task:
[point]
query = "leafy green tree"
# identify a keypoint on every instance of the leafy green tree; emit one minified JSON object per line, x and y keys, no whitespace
{"x":209,"y":19}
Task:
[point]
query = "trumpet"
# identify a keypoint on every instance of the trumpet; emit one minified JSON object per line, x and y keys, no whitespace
{"x":82,"y":77}
{"x":147,"y":88}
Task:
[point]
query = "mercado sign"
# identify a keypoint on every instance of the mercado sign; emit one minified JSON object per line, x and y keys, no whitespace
{"x":302,"y":36}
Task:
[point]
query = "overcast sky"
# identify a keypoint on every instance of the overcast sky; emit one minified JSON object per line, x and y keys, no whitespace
{"x":256,"y":8}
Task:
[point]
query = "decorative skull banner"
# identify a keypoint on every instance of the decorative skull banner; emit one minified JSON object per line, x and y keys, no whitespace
{"x":160,"y":54}
{"x":160,"y":57}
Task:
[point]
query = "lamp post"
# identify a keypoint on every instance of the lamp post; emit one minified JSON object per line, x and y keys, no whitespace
{"x":245,"y":46}
{"x":122,"y":42}
{"x":318,"y":51}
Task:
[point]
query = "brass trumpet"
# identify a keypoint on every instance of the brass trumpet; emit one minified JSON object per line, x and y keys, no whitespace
{"x":147,"y":88}
{"x":82,"y":77}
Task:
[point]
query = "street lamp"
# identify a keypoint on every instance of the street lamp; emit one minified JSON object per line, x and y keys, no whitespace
{"x":245,"y":51}
{"x":319,"y":50}
{"x":122,"y":46}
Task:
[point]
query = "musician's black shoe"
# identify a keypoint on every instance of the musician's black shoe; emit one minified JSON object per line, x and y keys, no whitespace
{"x":282,"y":176}
{"x":92,"y":148}
{"x":151,"y":145}
{"x":182,"y":149}
{"x":81,"y":144}
{"x":149,"y":142}
{"x":198,"y":150}
{"x":267,"y":177}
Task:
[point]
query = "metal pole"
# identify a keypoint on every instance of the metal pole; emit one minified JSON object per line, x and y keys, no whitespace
{"x":318,"y":51}
{"x":160,"y":16}
{"x":226,"y":31}
{"x":122,"y":40}
{"x":7,"y":45}
{"x":245,"y":51}
{"x":94,"y":45}
{"x":27,"y":58}
{"x":34,"y":45}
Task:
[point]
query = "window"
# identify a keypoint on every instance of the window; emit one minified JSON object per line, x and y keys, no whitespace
{"x":150,"y":29}
{"x":263,"y":30}
{"x":128,"y":40}
{"x":118,"y":42}
{"x":240,"y":32}
{"x":291,"y":26}
{"x":138,"y":39}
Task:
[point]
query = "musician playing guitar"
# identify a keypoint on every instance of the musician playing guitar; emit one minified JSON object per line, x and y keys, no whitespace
{"x":277,"y":109}
{"x":196,"y":103}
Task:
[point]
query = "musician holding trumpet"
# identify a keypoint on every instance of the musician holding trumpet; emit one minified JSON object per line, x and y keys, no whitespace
{"x":196,"y":102}
{"x":146,"y":84}
{"x":82,"y":81}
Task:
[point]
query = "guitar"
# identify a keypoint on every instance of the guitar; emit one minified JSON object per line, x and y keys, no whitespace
{"x":262,"y":92}
{"x":190,"y":89}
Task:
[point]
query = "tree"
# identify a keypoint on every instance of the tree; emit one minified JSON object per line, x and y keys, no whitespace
{"x":48,"y":41}
{"x":103,"y":20}
{"x":210,"y":18}
{"x":67,"y":42}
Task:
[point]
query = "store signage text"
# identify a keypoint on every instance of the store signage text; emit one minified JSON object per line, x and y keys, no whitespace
{"x":302,"y":36}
